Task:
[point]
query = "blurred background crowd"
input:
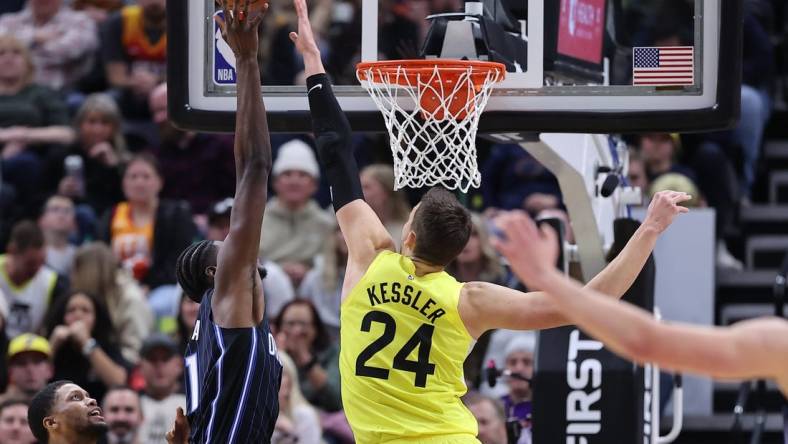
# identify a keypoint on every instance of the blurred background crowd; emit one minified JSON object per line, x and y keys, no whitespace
{"x":100,"y":193}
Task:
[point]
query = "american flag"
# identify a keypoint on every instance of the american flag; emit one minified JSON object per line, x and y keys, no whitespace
{"x":663,"y":66}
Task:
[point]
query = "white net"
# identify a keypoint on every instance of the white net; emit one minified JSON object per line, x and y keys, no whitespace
{"x":432,"y":116}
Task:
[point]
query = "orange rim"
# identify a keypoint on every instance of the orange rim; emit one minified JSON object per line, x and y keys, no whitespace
{"x":410,"y":71}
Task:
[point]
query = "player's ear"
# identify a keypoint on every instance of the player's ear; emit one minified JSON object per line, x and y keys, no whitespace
{"x":210,"y":271}
{"x":410,"y":240}
{"x":50,"y":423}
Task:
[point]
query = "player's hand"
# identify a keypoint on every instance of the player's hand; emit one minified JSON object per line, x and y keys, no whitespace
{"x":180,"y":429}
{"x":664,"y":208}
{"x":240,"y":24}
{"x":532,"y":251}
{"x":304,"y":39}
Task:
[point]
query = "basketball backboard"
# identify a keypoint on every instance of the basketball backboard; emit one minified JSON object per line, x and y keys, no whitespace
{"x":570,"y":63}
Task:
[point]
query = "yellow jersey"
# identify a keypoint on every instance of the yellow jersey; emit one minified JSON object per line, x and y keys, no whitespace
{"x":402,"y":349}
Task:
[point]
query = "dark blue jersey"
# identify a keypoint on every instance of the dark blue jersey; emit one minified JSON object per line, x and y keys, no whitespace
{"x":232,"y":381}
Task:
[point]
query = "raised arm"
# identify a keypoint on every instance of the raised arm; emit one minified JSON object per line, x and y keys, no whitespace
{"x":363,"y":231}
{"x":237,"y":301}
{"x":751,"y":349}
{"x":488,"y":306}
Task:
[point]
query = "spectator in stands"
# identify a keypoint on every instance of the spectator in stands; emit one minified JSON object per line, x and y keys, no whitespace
{"x":510,"y":176}
{"x":277,"y":286}
{"x":636,"y":175}
{"x":659,"y":151}
{"x":96,"y":271}
{"x":517,"y":403}
{"x":161,"y":367}
{"x":57,"y":223}
{"x":147,"y":233}
{"x":134,"y":48}
{"x":61,"y":40}
{"x":27,"y":283}
{"x":100,"y":145}
{"x":80,"y":333}
{"x":98,"y":10}
{"x":490,"y":416}
{"x":29,"y":366}
{"x":200,"y":168}
{"x":13,"y":423}
{"x":294,"y":225}
{"x":31,"y":116}
{"x":377,"y":182}
{"x":322,"y":285}
{"x":478,"y":261}
{"x":298,"y":421}
{"x":123,"y":414}
{"x":188,"y":311}
{"x":301,"y":333}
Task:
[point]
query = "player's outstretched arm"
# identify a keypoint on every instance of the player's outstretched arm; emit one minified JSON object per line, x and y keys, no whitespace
{"x":619,"y":275}
{"x":487,"y":305}
{"x":751,"y":349}
{"x":364,"y":233}
{"x":237,"y":300}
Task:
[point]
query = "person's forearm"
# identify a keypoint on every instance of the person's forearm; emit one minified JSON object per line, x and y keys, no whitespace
{"x":313,"y":64}
{"x":621,"y":326}
{"x":615,"y":279}
{"x":106,"y":369}
{"x":51,"y":134}
{"x":252,"y":143}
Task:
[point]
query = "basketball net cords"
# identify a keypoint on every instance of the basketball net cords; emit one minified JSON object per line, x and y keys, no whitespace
{"x":429,"y":150}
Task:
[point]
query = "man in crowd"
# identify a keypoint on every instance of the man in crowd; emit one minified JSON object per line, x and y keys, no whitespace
{"x":199,"y":167}
{"x":517,"y":403}
{"x":13,"y":423}
{"x":58,"y":222}
{"x":294,"y":225}
{"x":29,"y":366}
{"x":28,"y":284}
{"x":134,"y":47}
{"x":161,"y":365}
{"x":123,"y":413}
{"x":61,"y":40}
{"x":490,"y":416}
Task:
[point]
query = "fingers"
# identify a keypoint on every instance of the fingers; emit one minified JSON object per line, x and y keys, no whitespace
{"x":222,"y":25}
{"x":549,"y":233}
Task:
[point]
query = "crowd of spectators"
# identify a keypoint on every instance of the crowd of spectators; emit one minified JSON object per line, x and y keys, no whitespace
{"x":100,"y":193}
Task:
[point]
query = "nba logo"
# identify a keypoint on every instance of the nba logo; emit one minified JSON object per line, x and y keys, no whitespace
{"x":223,"y":57}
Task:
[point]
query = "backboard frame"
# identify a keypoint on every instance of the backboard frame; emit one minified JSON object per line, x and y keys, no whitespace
{"x":188,"y":113}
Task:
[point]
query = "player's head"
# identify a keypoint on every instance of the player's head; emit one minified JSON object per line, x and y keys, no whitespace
{"x":63,"y":408}
{"x":438,"y":228}
{"x":195,"y":268}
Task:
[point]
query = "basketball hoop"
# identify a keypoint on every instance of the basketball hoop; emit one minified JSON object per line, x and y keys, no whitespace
{"x":431,"y":109}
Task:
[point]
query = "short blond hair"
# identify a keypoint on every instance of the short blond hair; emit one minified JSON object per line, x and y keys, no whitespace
{"x":9,"y":41}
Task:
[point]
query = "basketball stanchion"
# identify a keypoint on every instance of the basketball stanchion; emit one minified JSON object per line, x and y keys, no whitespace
{"x":431,"y":109}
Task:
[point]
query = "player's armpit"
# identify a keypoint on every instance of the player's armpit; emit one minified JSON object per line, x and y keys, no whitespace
{"x":484,"y":306}
{"x":364,"y":233}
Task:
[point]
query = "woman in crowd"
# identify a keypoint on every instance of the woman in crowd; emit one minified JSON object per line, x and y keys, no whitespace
{"x":147,"y":234}
{"x":31,"y":117}
{"x":298,"y":422}
{"x":323,"y":284}
{"x":188,"y":311}
{"x":96,"y":271}
{"x":478,"y":261}
{"x":377,"y":182}
{"x":101,"y":148}
{"x":301,"y":334}
{"x":80,"y":332}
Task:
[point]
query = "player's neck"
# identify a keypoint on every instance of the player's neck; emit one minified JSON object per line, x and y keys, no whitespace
{"x":423,"y":267}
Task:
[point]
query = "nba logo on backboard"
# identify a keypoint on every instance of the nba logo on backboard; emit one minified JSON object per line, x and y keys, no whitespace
{"x":223,"y":58}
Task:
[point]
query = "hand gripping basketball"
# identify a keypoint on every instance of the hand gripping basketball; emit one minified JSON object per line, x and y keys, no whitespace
{"x":239,"y":24}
